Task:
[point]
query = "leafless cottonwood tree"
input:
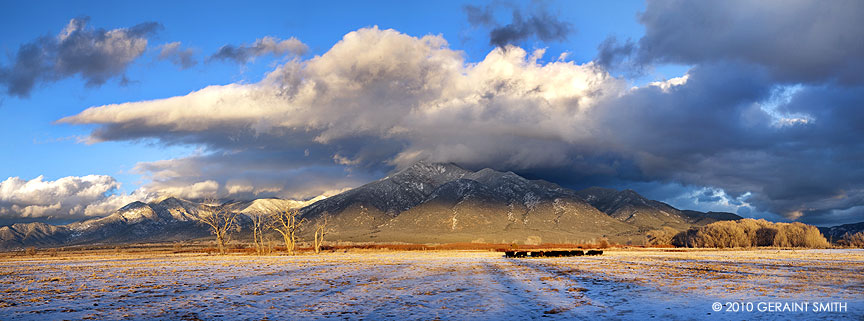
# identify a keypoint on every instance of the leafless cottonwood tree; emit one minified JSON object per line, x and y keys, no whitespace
{"x":287,"y":223}
{"x":269,"y":245}
{"x":220,"y":219}
{"x":852,"y":240}
{"x":320,"y":231}
{"x":259,"y":221}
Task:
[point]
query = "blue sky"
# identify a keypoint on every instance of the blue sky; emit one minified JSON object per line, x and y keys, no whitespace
{"x":710,"y":134}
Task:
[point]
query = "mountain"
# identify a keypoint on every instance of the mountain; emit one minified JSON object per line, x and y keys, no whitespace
{"x":268,"y":205}
{"x":705,"y":218}
{"x":835,"y":233}
{"x":171,"y":219}
{"x":630,"y":207}
{"x":31,"y":234}
{"x":446,"y":203}
{"x":427,"y":202}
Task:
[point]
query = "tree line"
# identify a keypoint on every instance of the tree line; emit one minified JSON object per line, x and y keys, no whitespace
{"x":742,"y":233}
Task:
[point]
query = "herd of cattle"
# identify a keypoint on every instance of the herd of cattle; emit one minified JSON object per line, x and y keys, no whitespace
{"x":550,"y":253}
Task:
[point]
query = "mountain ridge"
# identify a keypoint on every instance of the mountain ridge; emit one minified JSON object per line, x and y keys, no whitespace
{"x":837,"y":232}
{"x":425,"y":202}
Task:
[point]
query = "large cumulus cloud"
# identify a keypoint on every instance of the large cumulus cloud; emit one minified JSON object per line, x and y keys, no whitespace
{"x":95,"y":55}
{"x":379,"y":96}
{"x":756,"y":135}
{"x":377,"y":99}
{"x":65,"y":198}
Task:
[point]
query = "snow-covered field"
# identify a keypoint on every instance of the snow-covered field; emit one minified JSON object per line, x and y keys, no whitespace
{"x":639,"y":284}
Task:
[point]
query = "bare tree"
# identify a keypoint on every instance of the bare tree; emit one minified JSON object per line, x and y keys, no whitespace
{"x":852,"y":240}
{"x":269,"y":245}
{"x":288,"y":224}
{"x":750,"y":233}
{"x":220,"y":220}
{"x":662,"y":236}
{"x":320,"y":231}
{"x":259,"y":220}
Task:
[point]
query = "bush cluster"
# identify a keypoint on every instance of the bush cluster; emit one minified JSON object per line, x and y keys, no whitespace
{"x":751,"y":233}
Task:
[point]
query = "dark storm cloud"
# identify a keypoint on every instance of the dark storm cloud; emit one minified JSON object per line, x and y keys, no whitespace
{"x":797,"y":40}
{"x":715,"y":131}
{"x":183,"y":58}
{"x":770,"y":111}
{"x":267,"y":45}
{"x":536,"y":22}
{"x":712,"y":112}
{"x":96,"y":55}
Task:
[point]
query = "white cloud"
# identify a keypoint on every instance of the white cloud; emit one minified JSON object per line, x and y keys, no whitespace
{"x":197,"y":190}
{"x":115,"y":201}
{"x":36,"y":210}
{"x":15,"y":190}
{"x":383,"y":84}
{"x":239,"y":188}
{"x":71,"y":196}
{"x":671,"y":82}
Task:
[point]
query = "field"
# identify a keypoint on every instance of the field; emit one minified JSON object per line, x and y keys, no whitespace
{"x":366,"y":284}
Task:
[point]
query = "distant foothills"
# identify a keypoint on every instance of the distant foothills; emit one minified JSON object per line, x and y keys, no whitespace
{"x":425,"y":203}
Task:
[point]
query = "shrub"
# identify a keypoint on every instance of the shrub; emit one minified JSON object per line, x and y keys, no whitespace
{"x":750,"y":233}
{"x":533,"y":240}
{"x":603,"y":243}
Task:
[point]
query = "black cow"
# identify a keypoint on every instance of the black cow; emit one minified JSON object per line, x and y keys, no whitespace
{"x":522,"y":254}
